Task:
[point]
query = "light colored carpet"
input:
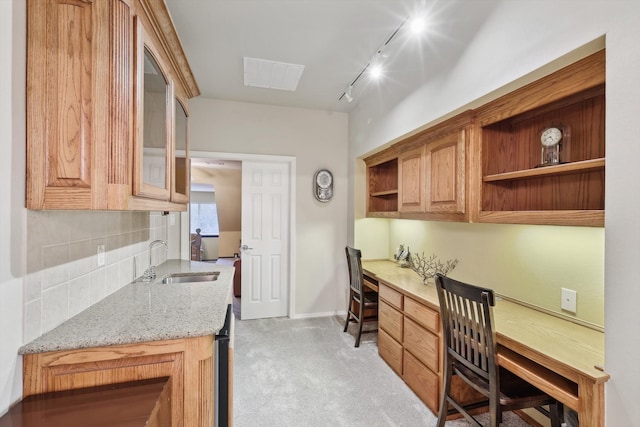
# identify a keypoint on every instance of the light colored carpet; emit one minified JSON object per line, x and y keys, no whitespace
{"x":308,"y":373}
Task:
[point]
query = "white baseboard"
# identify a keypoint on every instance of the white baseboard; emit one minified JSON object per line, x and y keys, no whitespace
{"x":324,"y":314}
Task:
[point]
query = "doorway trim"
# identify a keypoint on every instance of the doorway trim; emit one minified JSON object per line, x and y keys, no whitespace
{"x":291,"y":161}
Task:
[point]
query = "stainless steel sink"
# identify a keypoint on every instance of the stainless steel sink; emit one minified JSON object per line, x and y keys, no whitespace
{"x":191,"y":277}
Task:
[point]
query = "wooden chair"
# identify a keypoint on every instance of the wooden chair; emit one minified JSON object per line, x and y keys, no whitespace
{"x":470,"y":353}
{"x":360,"y":300}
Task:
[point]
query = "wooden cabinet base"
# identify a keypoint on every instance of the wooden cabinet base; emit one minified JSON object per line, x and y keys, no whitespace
{"x":188,"y":363}
{"x":390,"y":320}
{"x":390,"y":351}
{"x":422,"y":381}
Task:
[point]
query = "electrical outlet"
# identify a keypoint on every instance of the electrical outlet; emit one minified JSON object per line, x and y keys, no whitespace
{"x":569,"y":298}
{"x":100,"y":253}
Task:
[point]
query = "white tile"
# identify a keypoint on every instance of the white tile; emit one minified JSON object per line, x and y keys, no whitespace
{"x":112,"y":220}
{"x":125,"y":222}
{"x":79,"y":267}
{"x":126,"y":272}
{"x":54,"y":255}
{"x":33,"y":283}
{"x":125,"y":246}
{"x":79,"y":294}
{"x":113,"y":278}
{"x":55,"y":275}
{"x":80,"y":225}
{"x":47,"y":227}
{"x":112,"y":254}
{"x":98,"y":224}
{"x":55,"y":306}
{"x":33,"y":320}
{"x":98,"y":284}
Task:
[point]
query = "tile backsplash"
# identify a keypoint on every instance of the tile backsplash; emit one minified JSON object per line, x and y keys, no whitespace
{"x":63,"y":276}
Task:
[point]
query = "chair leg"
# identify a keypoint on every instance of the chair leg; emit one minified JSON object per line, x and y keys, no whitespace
{"x":495,"y":412}
{"x":359,"y":332}
{"x":360,"y":320}
{"x":556,"y":414}
{"x":346,"y":324}
{"x":446,"y":387}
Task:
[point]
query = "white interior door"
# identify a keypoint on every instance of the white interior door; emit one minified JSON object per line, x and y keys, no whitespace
{"x":265,"y":239}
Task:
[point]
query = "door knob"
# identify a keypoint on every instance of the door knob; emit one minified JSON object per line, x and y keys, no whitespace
{"x":244,"y":247}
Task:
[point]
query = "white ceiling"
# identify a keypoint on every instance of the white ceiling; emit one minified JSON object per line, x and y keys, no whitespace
{"x":333,"y":39}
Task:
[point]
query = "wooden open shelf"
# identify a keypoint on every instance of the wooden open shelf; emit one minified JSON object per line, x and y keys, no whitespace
{"x":384,"y":193}
{"x":382,"y":179}
{"x":566,"y":168}
{"x":513,"y":188}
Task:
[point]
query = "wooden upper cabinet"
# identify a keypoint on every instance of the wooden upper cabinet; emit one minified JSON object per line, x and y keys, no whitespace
{"x":86,"y":109}
{"x":486,"y":165}
{"x":411,"y":170}
{"x":152,"y":160}
{"x":513,"y":186}
{"x":433,"y":171}
{"x":446,"y":175}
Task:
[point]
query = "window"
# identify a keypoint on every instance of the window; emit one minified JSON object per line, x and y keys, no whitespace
{"x":205,"y":217}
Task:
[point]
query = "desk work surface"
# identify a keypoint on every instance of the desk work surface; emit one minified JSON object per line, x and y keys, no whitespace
{"x":563,"y":346}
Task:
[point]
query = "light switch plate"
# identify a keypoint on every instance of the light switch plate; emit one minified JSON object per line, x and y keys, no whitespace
{"x":100,"y":253}
{"x":569,"y":299}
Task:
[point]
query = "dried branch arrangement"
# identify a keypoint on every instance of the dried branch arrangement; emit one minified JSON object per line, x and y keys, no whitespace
{"x":427,"y":268}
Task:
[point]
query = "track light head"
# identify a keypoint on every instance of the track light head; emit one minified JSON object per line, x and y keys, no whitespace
{"x":348,"y":95}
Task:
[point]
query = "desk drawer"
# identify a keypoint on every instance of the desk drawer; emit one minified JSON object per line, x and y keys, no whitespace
{"x":390,"y":320}
{"x":422,"y":344}
{"x":422,"y":381}
{"x":392,"y":297}
{"x":422,"y":314}
{"x":390,"y":350}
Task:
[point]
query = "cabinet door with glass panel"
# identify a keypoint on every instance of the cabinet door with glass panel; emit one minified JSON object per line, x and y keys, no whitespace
{"x":152,"y":161}
{"x":180,"y":163}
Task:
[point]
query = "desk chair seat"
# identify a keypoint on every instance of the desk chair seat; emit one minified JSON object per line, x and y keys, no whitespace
{"x":470,"y":352}
{"x":360,"y":300}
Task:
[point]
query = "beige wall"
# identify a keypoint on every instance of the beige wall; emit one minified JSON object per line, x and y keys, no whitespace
{"x":210,"y":248}
{"x":528,"y":263}
{"x":229,"y":243}
{"x":317,"y":139}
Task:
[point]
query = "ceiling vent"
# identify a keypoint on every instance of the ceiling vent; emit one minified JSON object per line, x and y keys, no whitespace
{"x":271,"y":74}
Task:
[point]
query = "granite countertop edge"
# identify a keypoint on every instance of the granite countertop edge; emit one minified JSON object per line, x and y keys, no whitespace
{"x":146,"y":312}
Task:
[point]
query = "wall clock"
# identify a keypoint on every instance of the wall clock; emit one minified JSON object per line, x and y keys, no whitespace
{"x":323,"y":185}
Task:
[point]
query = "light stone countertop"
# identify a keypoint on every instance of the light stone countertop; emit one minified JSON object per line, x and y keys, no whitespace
{"x":147,"y":311}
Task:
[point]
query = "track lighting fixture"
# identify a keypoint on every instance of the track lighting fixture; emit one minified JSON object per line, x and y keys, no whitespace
{"x":375,"y":65}
{"x":347,"y":94}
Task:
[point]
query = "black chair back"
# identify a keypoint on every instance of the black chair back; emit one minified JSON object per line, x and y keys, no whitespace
{"x":469,"y":337}
{"x":355,"y":269}
{"x":363,"y":304}
{"x":467,"y":322}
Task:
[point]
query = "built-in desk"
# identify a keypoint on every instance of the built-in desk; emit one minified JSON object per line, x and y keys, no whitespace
{"x":560,"y":357}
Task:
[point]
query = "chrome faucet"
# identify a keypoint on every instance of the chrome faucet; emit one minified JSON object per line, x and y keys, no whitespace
{"x":150,"y":273}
